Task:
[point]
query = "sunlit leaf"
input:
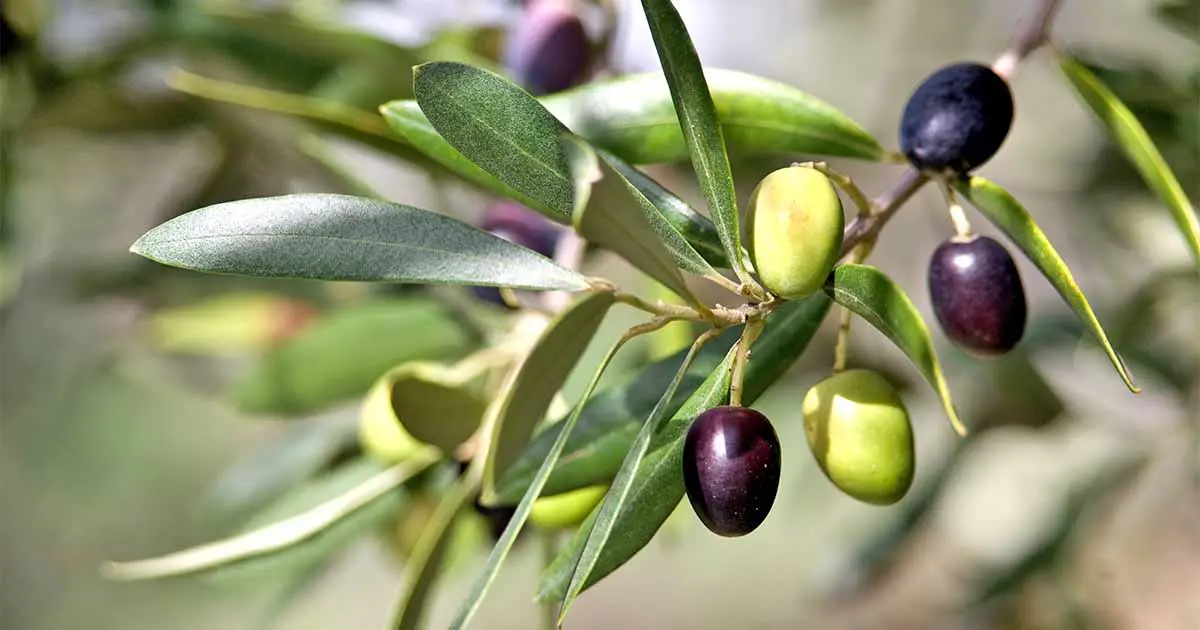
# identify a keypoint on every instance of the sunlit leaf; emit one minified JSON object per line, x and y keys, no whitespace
{"x":1133,"y":140}
{"x":499,"y":127}
{"x":340,"y":237}
{"x":609,"y":213}
{"x":698,"y":120}
{"x":634,"y":118}
{"x":1003,"y":210}
{"x":658,"y":487}
{"x":320,"y":519}
{"x":873,"y":296}
{"x":341,"y":355}
{"x":532,"y":386}
{"x":605,"y":522}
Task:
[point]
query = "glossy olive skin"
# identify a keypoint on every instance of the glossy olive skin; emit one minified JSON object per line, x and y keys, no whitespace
{"x":956,"y":119}
{"x":977,"y":295}
{"x":859,"y":432}
{"x":731,"y":463}
{"x":516,"y":223}
{"x":548,"y":49}
{"x":794,"y":230}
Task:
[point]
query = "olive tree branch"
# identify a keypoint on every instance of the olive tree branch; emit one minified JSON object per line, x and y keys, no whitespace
{"x":1030,"y":35}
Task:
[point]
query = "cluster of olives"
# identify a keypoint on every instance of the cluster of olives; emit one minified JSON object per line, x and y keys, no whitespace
{"x":548,"y":49}
{"x":856,"y":425}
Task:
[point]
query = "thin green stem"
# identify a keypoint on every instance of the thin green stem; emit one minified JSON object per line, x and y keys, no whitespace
{"x":843,"y":181}
{"x":962,"y":227}
{"x":750,"y":334}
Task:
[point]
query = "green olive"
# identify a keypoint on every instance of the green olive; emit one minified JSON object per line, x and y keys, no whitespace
{"x":794,"y":230}
{"x":566,"y":510}
{"x":860,"y":434}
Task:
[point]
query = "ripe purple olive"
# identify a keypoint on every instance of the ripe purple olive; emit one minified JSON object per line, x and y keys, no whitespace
{"x":514,"y":222}
{"x":977,"y":295}
{"x":548,"y":50}
{"x":731,"y":460}
{"x":956,"y":119}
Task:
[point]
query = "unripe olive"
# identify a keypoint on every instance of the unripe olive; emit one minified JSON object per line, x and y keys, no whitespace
{"x":794,"y":230}
{"x":566,"y":510}
{"x":860,"y":434}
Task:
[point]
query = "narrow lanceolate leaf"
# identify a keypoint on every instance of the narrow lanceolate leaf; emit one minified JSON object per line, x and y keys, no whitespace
{"x":673,"y":214}
{"x":873,"y":296}
{"x":633,"y":117}
{"x":424,"y":565}
{"x":500,"y":551}
{"x":339,"y":356}
{"x":608,"y":425}
{"x":407,"y":121}
{"x":530,"y":390}
{"x":327,"y":115}
{"x":658,"y":487}
{"x":1133,"y":140}
{"x":340,"y":237}
{"x":499,"y":127}
{"x":1010,"y":216}
{"x":699,"y":123}
{"x":609,"y":213}
{"x":287,"y":534}
{"x":609,"y":510}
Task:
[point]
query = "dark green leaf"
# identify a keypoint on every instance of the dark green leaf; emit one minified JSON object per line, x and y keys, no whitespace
{"x":610,"y":213}
{"x":1182,"y":15}
{"x":340,"y":237}
{"x":306,"y":526}
{"x":536,"y":380}
{"x":604,"y":524}
{"x":673,"y":213}
{"x":500,"y":127}
{"x":340,"y":356}
{"x":1133,"y":140}
{"x":634,"y":118}
{"x":1010,"y":216}
{"x":659,"y":486}
{"x":871,"y":295}
{"x":406,"y":120}
{"x":303,"y":449}
{"x":500,"y":551}
{"x":608,"y":425}
{"x":698,"y":120}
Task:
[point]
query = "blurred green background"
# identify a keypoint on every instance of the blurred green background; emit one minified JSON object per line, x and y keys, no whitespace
{"x":1077,"y":507}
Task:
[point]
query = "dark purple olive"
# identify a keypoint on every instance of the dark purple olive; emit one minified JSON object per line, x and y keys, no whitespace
{"x":548,"y":49}
{"x":956,"y":119}
{"x":516,"y":223}
{"x":731,"y":469}
{"x":977,"y":294}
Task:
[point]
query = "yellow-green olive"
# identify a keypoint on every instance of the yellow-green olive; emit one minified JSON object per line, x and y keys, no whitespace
{"x":794,"y":230}
{"x":415,"y":406}
{"x":379,"y":431}
{"x":860,"y":434}
{"x":566,"y":510}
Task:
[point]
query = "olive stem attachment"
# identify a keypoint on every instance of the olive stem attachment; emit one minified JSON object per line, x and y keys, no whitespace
{"x":841,"y":350}
{"x":843,"y":181}
{"x":750,"y":333}
{"x":719,"y":317}
{"x":962,"y":227}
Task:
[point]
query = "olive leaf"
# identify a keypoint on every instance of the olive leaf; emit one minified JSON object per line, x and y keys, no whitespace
{"x":873,"y":296}
{"x":1137,"y":146}
{"x":607,"y":426}
{"x":294,"y":525}
{"x":633,"y":117}
{"x":1006,"y":213}
{"x":610,"y":213}
{"x":605,"y":521}
{"x":499,"y":127}
{"x":699,"y":123}
{"x":532,"y":385}
{"x":340,"y":355}
{"x":340,"y":237}
{"x":658,"y":487}
{"x":500,"y":551}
